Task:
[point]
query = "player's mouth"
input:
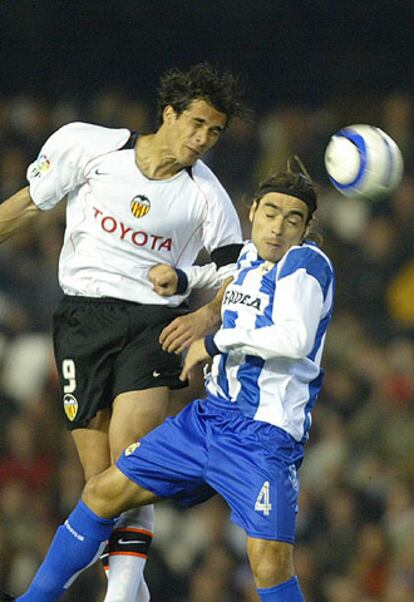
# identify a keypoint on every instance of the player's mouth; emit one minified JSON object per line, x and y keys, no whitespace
{"x":193,"y":151}
{"x":273,"y":244}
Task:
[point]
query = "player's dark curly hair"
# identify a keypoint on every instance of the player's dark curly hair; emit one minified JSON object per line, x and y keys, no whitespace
{"x":217,"y":86}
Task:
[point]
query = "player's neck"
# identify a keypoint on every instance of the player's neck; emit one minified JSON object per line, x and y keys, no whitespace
{"x":153,"y":158}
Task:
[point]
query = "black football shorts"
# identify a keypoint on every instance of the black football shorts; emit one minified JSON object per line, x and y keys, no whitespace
{"x":104,"y":347}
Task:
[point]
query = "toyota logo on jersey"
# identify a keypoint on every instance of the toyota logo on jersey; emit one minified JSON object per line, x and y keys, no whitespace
{"x":140,"y":205}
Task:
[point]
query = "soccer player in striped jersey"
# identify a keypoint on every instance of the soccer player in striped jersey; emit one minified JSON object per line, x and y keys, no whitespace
{"x":246,"y":440}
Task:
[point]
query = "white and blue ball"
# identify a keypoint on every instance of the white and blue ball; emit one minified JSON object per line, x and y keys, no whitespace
{"x":363,"y":161}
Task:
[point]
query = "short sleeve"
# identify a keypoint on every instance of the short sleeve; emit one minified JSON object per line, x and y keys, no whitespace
{"x":222,"y":225}
{"x":60,"y":166}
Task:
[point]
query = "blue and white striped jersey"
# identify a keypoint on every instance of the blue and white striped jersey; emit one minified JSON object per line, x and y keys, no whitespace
{"x":274,"y":321}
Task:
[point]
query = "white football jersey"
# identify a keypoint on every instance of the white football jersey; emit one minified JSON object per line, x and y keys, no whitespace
{"x":119,"y":223}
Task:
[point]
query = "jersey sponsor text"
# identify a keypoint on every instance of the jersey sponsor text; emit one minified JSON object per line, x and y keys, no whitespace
{"x":236,"y":297}
{"x":139,"y":238}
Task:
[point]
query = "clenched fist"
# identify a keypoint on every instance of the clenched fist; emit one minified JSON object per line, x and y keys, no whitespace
{"x":164,"y":279}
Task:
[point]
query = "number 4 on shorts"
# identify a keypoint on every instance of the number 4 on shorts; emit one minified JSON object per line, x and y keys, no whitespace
{"x":263,"y":499}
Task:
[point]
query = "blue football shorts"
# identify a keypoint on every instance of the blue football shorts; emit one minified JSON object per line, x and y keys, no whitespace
{"x":211,"y":447}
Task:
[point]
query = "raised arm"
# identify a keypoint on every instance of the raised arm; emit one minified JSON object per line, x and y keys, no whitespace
{"x":298,"y":308}
{"x":16,"y":213}
{"x":302,"y":298}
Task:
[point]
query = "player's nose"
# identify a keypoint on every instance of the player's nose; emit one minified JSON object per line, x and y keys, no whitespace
{"x":277,"y":226}
{"x":201,"y":139}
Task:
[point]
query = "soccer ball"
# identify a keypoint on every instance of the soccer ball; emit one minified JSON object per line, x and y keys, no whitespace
{"x":363,"y":161}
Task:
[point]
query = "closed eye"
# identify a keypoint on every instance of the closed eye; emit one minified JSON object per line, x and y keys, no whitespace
{"x":216,"y":131}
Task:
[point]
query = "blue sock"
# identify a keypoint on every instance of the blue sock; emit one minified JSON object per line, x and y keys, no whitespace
{"x":77,"y":544}
{"x":289,"y":591}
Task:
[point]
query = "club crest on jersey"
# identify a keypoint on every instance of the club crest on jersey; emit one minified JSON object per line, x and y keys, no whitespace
{"x":40,"y":167}
{"x":140,"y":205}
{"x":267,"y":266}
{"x":131,"y":448}
{"x":71,"y":406}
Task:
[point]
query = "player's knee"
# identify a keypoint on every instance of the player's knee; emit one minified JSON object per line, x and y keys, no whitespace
{"x":104,"y":494}
{"x":271,"y":562}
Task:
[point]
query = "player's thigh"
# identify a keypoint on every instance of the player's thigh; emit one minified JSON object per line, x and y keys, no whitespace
{"x":110,"y":493}
{"x":271,"y":561}
{"x":134,"y":414}
{"x":171,"y":460}
{"x":254,"y":467}
{"x":92,"y":444}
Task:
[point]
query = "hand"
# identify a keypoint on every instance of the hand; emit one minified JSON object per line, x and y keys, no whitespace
{"x":183,"y":331}
{"x":164,"y":278}
{"x":197,"y":354}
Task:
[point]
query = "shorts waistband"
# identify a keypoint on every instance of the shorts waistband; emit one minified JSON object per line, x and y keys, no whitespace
{"x":115,"y":300}
{"x":83,"y":299}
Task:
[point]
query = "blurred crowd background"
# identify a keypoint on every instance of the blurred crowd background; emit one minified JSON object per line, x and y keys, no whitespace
{"x":312,"y":68}
{"x":355,"y":533}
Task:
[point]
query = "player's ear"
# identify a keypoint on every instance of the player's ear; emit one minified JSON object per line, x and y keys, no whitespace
{"x":307,"y":228}
{"x":252,"y":210}
{"x":168,"y":114}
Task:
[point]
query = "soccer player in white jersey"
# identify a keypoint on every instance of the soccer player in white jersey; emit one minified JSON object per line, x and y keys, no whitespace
{"x":132,"y":202}
{"x":246,"y":440}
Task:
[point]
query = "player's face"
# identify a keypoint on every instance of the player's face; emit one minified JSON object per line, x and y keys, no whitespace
{"x":278,"y":223}
{"x":194,"y":132}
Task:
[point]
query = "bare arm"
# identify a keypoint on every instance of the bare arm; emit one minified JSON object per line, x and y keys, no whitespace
{"x":16,"y":213}
{"x":184,"y":330}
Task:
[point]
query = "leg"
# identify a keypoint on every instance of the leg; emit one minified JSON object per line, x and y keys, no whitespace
{"x":80,"y":539}
{"x":92,"y":444}
{"x":171,"y":460}
{"x":111,"y":493}
{"x":273,"y":569}
{"x":253,"y":466}
{"x":120,"y":353}
{"x":134,"y":414}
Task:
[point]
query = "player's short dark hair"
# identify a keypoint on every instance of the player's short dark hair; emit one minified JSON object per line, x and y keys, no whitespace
{"x":217,"y":86}
{"x":294,"y":180}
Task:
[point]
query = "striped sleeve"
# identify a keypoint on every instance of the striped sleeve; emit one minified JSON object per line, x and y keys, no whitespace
{"x":301,"y":299}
